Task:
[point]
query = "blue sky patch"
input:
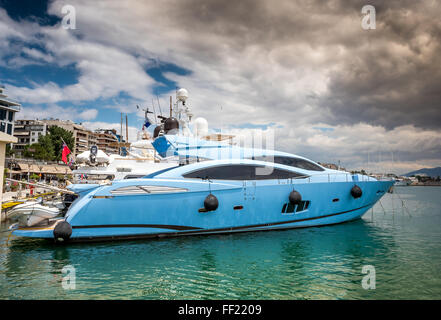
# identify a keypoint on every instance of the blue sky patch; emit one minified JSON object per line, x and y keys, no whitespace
{"x":324,"y":129}
{"x":31,"y":10}
{"x":164,"y":84}
{"x":40,"y":74}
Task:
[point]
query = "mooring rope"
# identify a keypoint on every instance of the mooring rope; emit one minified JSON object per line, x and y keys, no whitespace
{"x":403,"y":205}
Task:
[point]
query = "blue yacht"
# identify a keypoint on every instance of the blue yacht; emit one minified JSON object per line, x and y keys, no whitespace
{"x":219,"y":189}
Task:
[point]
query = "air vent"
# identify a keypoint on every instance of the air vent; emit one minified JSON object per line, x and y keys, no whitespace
{"x":289,"y":208}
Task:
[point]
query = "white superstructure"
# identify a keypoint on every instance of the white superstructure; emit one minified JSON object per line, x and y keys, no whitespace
{"x":141,"y":158}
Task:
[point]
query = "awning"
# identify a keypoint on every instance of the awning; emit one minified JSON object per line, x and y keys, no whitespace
{"x":47,"y":169}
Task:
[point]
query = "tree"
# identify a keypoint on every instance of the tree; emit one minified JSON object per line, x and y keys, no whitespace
{"x":43,"y":150}
{"x":57,"y":135}
{"x":50,"y":146}
{"x":34,"y":176}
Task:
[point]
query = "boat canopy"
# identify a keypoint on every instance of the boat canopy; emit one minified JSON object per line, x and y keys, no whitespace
{"x":188,"y":147}
{"x":101,"y":157}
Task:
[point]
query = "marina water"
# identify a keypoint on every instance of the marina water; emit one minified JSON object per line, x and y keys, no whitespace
{"x":402,"y":243}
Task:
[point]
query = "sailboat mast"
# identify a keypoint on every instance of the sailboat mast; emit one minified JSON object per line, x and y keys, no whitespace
{"x":127,"y":129}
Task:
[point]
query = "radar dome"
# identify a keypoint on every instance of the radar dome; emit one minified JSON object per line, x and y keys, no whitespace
{"x":182,"y":94}
{"x":200,"y":127}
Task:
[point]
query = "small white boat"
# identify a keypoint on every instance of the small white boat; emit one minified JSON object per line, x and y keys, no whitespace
{"x":33,"y":212}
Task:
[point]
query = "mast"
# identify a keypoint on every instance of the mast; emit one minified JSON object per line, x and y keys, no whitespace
{"x":154,"y":113}
{"x":121,"y":135}
{"x":171,"y":107}
{"x":127,"y":129}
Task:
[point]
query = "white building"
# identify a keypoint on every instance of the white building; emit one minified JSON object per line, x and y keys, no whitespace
{"x":8,"y":109}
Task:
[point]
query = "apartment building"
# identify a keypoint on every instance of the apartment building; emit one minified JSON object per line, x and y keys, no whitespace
{"x":8,"y":109}
{"x":80,"y":134}
{"x":107,"y":140}
{"x":27,"y":132}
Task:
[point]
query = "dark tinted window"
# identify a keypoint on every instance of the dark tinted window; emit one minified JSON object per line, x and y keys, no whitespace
{"x":241,"y":172}
{"x":293,"y":162}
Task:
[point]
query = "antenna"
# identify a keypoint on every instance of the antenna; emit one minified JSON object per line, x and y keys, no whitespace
{"x":127,"y":129}
{"x":368,"y":162}
{"x":159,"y":105}
{"x":171,"y":106}
{"x":221,"y":122}
{"x":121,"y":127}
{"x":154,"y":112}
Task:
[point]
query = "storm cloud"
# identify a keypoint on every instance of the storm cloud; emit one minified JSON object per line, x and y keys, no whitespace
{"x":296,"y":64}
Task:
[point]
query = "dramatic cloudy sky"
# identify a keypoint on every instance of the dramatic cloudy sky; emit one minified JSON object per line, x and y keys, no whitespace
{"x":329,"y":89}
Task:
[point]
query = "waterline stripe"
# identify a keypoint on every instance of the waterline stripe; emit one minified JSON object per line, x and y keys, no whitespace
{"x":197,"y":229}
{"x":158,"y":226}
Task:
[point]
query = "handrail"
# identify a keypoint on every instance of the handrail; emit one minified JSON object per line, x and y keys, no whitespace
{"x":42,"y":185}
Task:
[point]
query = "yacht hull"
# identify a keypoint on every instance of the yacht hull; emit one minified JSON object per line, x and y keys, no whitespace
{"x":243,"y":207}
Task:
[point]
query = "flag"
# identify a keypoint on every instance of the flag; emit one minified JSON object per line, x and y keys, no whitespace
{"x":147,"y":123}
{"x":64,"y":153}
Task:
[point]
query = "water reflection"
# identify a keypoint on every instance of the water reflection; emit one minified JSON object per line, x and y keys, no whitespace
{"x":315,"y":262}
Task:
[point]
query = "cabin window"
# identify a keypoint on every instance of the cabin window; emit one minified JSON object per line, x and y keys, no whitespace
{"x":241,"y":172}
{"x":292,"y":162}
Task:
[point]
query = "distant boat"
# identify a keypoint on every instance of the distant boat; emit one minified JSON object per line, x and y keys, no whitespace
{"x":31,"y":213}
{"x":402,"y":182}
{"x":140,"y":161}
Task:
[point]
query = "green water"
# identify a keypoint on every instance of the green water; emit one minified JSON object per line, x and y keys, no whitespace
{"x":313,"y":263}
